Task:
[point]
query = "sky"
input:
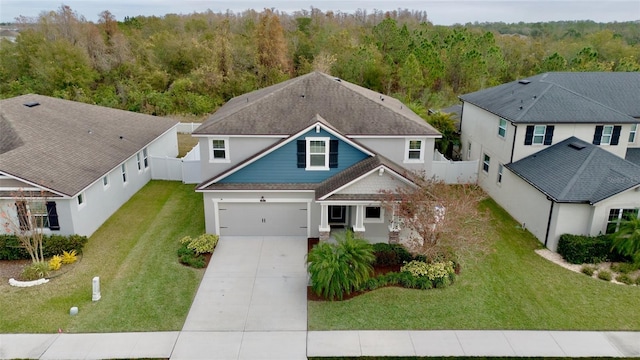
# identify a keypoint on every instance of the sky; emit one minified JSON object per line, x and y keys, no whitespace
{"x":439,"y":12}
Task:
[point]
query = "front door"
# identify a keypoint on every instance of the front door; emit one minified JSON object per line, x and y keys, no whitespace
{"x":337,"y":215}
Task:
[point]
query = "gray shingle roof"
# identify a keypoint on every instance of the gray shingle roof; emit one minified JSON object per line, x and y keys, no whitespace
{"x":65,"y":145}
{"x":633,"y":155}
{"x":284,"y":108}
{"x":564,"y":97}
{"x":574,"y":171}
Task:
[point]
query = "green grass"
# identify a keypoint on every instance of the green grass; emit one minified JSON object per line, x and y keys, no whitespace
{"x":510,"y":287}
{"x":143,"y":286}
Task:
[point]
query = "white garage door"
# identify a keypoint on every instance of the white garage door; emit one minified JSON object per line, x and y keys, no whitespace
{"x":263,"y":219}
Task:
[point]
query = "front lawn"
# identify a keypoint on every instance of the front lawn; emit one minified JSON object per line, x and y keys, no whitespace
{"x":143,"y":286}
{"x":509,"y":287}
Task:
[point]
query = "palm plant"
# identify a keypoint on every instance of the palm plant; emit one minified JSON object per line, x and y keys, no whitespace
{"x":339,"y":269}
{"x":626,"y":240}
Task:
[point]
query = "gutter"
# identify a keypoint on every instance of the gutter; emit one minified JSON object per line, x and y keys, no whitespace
{"x":546,"y":236}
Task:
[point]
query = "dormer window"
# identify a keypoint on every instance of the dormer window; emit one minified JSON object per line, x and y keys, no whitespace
{"x":632,"y":133}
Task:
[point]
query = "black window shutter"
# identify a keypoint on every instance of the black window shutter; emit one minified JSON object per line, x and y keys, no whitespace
{"x":528,"y":136}
{"x":302,"y":153}
{"x":615,"y":137}
{"x":597,"y":136}
{"x":53,"y":216}
{"x":333,"y":153}
{"x":23,"y":219}
{"x":548,"y":135}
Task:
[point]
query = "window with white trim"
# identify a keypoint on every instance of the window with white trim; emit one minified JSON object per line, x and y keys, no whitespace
{"x":139,"y":161}
{"x":632,"y":133}
{"x":123,"y":171}
{"x":81,"y":199}
{"x":414,"y":151}
{"x":500,"y":169}
{"x":105,"y":181}
{"x":538,"y":134}
{"x":317,"y":153}
{"x":219,"y":150}
{"x":485,"y":163}
{"x":145,"y":158}
{"x":373,"y":214}
{"x":502,"y":128}
{"x":607,"y":133}
{"x":616,"y":216}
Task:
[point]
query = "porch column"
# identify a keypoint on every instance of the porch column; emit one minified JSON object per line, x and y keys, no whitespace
{"x":394,"y":227}
{"x":324,"y":228}
{"x":358,"y":226}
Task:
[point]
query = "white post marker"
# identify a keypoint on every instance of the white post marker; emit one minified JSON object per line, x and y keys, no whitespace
{"x":96,"y":289}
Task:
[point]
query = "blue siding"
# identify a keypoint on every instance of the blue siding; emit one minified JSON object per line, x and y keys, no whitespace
{"x":280,"y":166}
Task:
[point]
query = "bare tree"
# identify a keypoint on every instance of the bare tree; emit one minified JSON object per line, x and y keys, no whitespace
{"x":439,"y":218}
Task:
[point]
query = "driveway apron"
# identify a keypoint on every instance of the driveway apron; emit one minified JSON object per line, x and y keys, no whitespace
{"x":251,"y":303}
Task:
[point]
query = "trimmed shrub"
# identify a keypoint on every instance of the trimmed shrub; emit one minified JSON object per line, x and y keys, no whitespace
{"x":390,"y":254}
{"x":35,"y":271}
{"x":604,"y":275}
{"x":579,"y":249}
{"x":588,"y":270}
{"x":625,"y":279}
{"x":57,"y":244}
{"x":11,"y":249}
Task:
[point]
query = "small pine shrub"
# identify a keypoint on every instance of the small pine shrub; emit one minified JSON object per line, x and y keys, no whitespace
{"x":55,"y":263}
{"x":35,"y":271}
{"x":588,"y":270}
{"x":625,"y":279}
{"x":69,"y":257}
{"x":604,"y":275}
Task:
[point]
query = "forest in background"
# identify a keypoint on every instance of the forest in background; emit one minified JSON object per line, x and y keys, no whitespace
{"x":192,"y":64}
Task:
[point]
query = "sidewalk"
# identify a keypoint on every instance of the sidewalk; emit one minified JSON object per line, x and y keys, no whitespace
{"x":222,"y":345}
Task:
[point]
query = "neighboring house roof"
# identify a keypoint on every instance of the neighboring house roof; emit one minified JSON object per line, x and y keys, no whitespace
{"x":633,"y":155}
{"x":285,"y":108}
{"x":65,"y":146}
{"x":574,"y":171}
{"x":564,"y":97}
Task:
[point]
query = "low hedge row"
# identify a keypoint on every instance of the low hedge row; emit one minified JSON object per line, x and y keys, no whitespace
{"x":11,"y":249}
{"x":580,"y":249}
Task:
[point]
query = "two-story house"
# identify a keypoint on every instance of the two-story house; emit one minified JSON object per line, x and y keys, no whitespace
{"x":71,"y":165}
{"x":559,"y":151}
{"x":309,"y":155}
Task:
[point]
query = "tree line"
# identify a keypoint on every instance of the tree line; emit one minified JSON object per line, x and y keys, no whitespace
{"x":192,"y":64}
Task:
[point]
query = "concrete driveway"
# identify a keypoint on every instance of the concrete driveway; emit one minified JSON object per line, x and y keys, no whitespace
{"x":251,"y":303}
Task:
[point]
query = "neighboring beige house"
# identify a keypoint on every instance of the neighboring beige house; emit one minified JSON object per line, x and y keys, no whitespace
{"x":75,"y":163}
{"x":526,"y":136}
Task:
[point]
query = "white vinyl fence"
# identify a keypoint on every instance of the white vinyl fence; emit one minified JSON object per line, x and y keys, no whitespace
{"x":186,"y":169}
{"x":454,"y":172}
